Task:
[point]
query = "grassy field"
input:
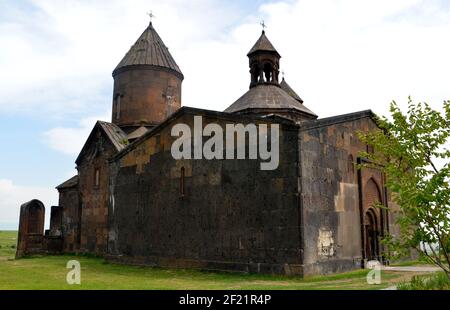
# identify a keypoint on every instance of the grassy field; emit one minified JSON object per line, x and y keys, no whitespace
{"x":49,"y":272}
{"x":8,"y":241}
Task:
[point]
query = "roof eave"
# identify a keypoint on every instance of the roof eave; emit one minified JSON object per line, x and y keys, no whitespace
{"x":192,"y":111}
{"x":118,"y":70}
{"x":341,"y":119}
{"x":275,"y":110}
{"x":98,"y":124}
{"x":251,"y":53}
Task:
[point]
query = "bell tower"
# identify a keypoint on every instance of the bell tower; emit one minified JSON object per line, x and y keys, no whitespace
{"x":264,"y":62}
{"x":266,"y":96}
{"x":147,"y":84}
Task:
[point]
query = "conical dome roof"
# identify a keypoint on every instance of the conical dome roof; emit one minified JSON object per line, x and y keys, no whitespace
{"x":263,"y":44}
{"x":267,"y":96}
{"x":285,"y":86}
{"x":149,"y":49}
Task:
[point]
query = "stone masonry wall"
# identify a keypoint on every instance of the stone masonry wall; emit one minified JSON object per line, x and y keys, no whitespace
{"x":94,"y":198}
{"x":69,"y":200}
{"x":331,"y":223}
{"x":147,"y":96}
{"x":233,"y":216}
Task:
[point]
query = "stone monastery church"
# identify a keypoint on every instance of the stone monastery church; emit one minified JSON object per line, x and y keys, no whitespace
{"x":133,"y":203}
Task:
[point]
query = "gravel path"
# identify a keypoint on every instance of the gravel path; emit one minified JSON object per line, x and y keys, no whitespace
{"x":408,"y":269}
{"x":411,"y":268}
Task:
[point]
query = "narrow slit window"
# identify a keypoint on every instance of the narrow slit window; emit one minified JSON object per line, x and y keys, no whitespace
{"x":118,"y":98}
{"x":97,"y":178}
{"x":182,"y":182}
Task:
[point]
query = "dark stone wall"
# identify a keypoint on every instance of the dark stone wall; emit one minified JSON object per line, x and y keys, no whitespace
{"x":233,"y":216}
{"x":148,"y":96}
{"x":69,"y":200}
{"x":56,"y":214}
{"x":94,"y":198}
{"x":330,"y":191}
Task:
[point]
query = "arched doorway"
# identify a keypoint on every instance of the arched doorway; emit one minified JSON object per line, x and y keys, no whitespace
{"x":371,"y":235}
{"x":372,"y":220}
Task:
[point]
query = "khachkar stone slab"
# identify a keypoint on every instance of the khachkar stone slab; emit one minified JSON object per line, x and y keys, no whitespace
{"x":31,"y":228}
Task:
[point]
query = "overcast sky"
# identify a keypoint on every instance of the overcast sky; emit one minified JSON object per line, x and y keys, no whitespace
{"x":56,"y":59}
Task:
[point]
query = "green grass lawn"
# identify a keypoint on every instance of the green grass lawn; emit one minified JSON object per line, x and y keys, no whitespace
{"x":8,"y":242}
{"x":49,"y":272}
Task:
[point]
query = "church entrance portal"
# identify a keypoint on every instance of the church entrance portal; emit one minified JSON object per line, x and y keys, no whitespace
{"x":371,"y":236}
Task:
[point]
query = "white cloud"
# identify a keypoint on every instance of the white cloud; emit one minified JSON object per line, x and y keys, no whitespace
{"x":59,"y":55}
{"x":340,"y":56}
{"x":344,"y":56}
{"x":70,"y":140}
{"x":13,"y":195}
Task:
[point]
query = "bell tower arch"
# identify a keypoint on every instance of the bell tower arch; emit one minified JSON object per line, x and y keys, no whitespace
{"x":264,"y":62}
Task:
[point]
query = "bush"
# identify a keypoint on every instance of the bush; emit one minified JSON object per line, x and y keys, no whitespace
{"x":439,"y":281}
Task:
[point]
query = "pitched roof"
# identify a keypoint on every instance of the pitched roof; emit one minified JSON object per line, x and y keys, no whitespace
{"x":137,"y":133}
{"x":232,"y":118}
{"x":115,"y":135}
{"x":343,"y":118}
{"x":73,"y":181}
{"x":268,"y":96}
{"x":263,"y":44}
{"x":285,"y":86}
{"x":149,"y":49}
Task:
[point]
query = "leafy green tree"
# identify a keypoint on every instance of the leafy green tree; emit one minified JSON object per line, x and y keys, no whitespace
{"x":412,"y":150}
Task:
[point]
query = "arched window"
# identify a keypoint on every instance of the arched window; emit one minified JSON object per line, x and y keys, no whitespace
{"x":254,"y":73}
{"x":182,"y":172}
{"x":268,"y":70}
